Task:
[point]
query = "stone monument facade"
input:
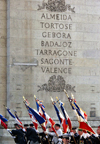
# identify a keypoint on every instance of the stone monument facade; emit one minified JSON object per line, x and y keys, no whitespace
{"x":50,"y":45}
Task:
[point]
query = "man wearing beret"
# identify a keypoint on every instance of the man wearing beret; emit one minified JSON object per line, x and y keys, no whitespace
{"x":19,"y":135}
{"x":66,"y":139}
{"x":74,"y":136}
{"x":56,"y":139}
{"x":96,"y":138}
{"x":31,"y":135}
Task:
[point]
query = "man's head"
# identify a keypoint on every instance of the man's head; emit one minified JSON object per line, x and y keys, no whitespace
{"x":65,"y":139}
{"x":57,"y":126}
{"x":80,"y":132}
{"x":74,"y":130}
{"x":50,"y":129}
{"x":98,"y":130}
{"x":31,"y":125}
{"x":25,"y":126}
{"x":16,"y":126}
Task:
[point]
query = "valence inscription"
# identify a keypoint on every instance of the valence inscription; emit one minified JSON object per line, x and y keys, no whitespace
{"x":56,"y":84}
{"x":56,"y":6}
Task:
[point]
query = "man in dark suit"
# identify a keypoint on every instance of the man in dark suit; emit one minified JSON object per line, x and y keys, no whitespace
{"x":96,"y":138}
{"x":74,"y":136}
{"x":18,"y":134}
{"x":31,"y":135}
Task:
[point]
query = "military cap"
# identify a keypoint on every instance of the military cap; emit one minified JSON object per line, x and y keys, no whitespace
{"x":16,"y":124}
{"x":80,"y":129}
{"x":57,"y":124}
{"x":26,"y":125}
{"x":31,"y":124}
{"x":74,"y":128}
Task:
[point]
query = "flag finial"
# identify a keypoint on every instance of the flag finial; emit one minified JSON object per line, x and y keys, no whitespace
{"x":66,"y":93}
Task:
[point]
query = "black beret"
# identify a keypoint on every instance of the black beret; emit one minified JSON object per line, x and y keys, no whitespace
{"x":57,"y":124}
{"x":74,"y":128}
{"x":26,"y":125}
{"x":32,"y":124}
{"x":16,"y":124}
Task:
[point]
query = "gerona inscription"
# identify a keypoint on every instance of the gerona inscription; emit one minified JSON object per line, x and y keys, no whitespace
{"x":56,"y":35}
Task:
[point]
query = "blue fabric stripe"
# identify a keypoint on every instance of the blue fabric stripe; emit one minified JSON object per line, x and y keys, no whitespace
{"x":10,"y":113}
{"x":3,"y":119}
{"x":37,"y":116}
{"x":57,"y":112}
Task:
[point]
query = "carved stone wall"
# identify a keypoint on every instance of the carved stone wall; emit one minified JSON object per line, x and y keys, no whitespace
{"x":53,"y":45}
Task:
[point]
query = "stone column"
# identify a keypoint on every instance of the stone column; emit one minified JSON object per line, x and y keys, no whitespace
{"x":3,"y":54}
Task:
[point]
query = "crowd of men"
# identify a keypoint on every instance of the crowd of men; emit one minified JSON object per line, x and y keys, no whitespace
{"x":30,"y":136}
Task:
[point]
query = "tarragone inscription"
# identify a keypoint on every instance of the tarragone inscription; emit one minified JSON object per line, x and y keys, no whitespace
{"x":56,"y":54}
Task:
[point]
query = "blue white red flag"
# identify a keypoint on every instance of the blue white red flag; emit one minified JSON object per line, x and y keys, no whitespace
{"x":41,"y":110}
{"x":68,"y":121}
{"x":60,"y":117}
{"x":3,"y":118}
{"x":81,"y":115}
{"x":33,"y":119}
{"x":3,"y":124}
{"x":40,"y":119}
{"x":17,"y":120}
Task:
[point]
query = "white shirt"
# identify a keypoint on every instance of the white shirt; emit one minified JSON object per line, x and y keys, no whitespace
{"x":55,"y":139}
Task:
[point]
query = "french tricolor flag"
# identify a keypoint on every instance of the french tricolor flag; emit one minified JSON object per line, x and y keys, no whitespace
{"x":3,"y":124}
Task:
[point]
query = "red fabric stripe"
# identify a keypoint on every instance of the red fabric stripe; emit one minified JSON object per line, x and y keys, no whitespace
{"x":65,"y":126}
{"x":3,"y":124}
{"x":86,"y":127}
{"x":51,"y":121}
{"x":35,"y":125}
{"x":69,"y":124}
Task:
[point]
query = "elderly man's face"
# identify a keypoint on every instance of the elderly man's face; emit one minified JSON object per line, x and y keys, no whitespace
{"x":80,"y":132}
{"x":65,"y":140}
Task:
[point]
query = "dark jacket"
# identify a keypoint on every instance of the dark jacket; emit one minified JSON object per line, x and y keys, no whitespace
{"x":95,"y":140}
{"x":32,"y":135}
{"x":20,"y":139}
{"x":74,"y":138}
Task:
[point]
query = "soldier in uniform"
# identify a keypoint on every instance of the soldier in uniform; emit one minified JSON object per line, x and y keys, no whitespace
{"x":19,"y":135}
{"x":31,"y":135}
{"x":82,"y":138}
{"x":95,"y":138}
{"x":56,"y":139}
{"x":65,"y":139}
{"x":74,"y":136}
